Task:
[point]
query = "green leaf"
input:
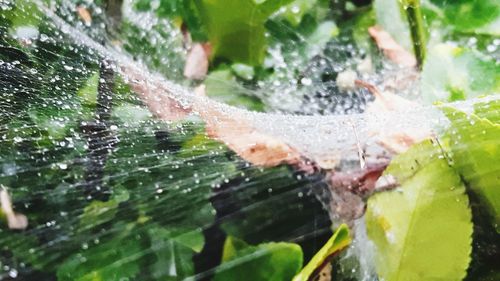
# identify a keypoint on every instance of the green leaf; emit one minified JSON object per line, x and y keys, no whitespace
{"x":476,"y":154}
{"x":339,"y":240}
{"x":115,"y":260}
{"x":321,"y":35}
{"x":477,"y":16}
{"x":173,"y":258}
{"x":295,"y":11}
{"x":99,"y":212}
{"x":488,"y":110}
{"x":88,"y":93}
{"x":236,"y":27}
{"x":131,"y":114}
{"x":222,"y":86}
{"x":422,"y":230}
{"x":451,"y":73}
{"x":269,"y":261}
{"x":243,"y":71}
{"x":184,"y":10}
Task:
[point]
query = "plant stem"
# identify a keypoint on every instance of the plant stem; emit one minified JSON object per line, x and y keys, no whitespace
{"x":416,"y":22}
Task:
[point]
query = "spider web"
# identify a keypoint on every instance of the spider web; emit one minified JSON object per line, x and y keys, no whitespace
{"x":111,"y":191}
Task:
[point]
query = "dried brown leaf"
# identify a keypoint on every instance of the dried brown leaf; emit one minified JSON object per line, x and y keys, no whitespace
{"x":84,"y":15}
{"x":396,"y":142}
{"x":14,"y":220}
{"x":154,"y":97}
{"x":360,"y":181}
{"x":326,"y":273}
{"x":233,"y":129}
{"x":392,"y":50}
{"x":197,"y":61}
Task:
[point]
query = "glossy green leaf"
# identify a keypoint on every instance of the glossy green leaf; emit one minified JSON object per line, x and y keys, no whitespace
{"x":422,"y":230}
{"x":476,"y":154}
{"x":115,"y":260}
{"x":451,"y":73}
{"x":298,"y":9}
{"x":269,"y":261}
{"x":236,"y":28}
{"x":478,"y":16}
{"x":489,"y":110}
{"x":173,"y":258}
{"x":88,"y":93}
{"x":339,"y":240}
{"x":221,"y":85}
{"x":177,"y":10}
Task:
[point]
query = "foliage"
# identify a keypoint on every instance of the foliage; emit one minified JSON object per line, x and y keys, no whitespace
{"x":339,"y":240}
{"x":124,"y":196}
{"x":268,"y":261}
{"x":453,"y":73}
{"x":473,"y":143}
{"x":406,"y":224}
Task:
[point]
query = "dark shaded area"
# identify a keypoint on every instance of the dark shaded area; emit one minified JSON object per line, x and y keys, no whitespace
{"x":166,"y":143}
{"x":290,"y":211}
{"x":101,"y":140}
{"x":485,"y":244}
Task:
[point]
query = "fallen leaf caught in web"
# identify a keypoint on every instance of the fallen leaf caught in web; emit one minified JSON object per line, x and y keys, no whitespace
{"x":153,"y":96}
{"x":395,"y":141}
{"x":84,"y":15}
{"x":14,"y":220}
{"x":197,"y":63}
{"x":236,"y":132}
{"x":392,"y":50}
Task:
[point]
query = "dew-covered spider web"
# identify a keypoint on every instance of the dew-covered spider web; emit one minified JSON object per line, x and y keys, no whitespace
{"x":114,"y":188}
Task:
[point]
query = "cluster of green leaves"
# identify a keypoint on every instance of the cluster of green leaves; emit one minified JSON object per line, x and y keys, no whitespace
{"x":424,"y":229}
{"x":451,"y":72}
{"x":159,"y":179}
{"x":236,"y":29}
{"x":241,"y":34}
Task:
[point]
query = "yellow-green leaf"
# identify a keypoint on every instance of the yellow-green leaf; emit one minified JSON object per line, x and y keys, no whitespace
{"x":268,"y":261}
{"x":236,"y":27}
{"x":339,"y":240}
{"x":422,"y":230}
{"x":474,"y":142}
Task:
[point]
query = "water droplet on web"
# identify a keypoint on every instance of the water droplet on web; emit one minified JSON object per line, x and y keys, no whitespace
{"x":13,"y":273}
{"x":305,"y":81}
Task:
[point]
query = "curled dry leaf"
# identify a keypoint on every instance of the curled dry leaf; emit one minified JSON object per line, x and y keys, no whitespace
{"x":392,"y":50}
{"x":84,"y":15}
{"x":400,"y":141}
{"x":154,"y":97}
{"x":14,"y":220}
{"x":326,"y":273}
{"x":362,"y":181}
{"x":232,"y":128}
{"x":196,"y":66}
{"x":349,"y":188}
